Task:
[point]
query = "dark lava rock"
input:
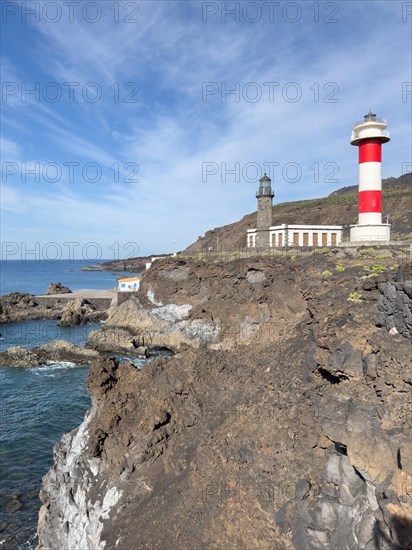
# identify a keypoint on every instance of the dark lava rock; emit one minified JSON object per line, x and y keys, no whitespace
{"x":300,"y":439}
{"x":395,"y":307}
{"x":23,"y":307}
{"x":19,"y":357}
{"x":60,"y":350}
{"x":57,"y":288}
{"x":110,"y":339}
{"x":79,"y":312}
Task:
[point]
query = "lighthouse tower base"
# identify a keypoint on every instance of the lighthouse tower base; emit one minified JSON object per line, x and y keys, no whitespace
{"x":370,"y":233}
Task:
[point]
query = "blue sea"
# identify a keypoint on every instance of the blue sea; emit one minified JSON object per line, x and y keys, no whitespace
{"x":35,"y":276}
{"x":37,"y":405}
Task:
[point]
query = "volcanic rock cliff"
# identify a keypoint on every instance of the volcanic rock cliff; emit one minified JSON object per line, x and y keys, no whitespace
{"x":290,"y":428}
{"x":192,"y":302}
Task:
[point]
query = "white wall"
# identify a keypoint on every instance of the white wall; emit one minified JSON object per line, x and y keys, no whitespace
{"x":126,"y":289}
{"x":301,"y":229}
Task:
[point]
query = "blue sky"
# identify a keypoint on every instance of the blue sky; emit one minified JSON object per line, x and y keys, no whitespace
{"x":130,"y":138}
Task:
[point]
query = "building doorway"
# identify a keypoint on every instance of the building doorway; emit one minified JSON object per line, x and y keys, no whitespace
{"x":333,"y":239}
{"x":305,"y":239}
{"x":315,"y":239}
{"x":280,"y":239}
{"x":324,"y":239}
{"x":295,"y":239}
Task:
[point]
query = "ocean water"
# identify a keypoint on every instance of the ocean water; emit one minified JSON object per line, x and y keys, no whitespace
{"x":35,"y":276}
{"x":37,"y":405}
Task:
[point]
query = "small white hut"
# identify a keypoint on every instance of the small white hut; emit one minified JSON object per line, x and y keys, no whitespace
{"x":128,"y":284}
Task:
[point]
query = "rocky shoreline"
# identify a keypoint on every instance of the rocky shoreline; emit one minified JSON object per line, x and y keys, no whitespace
{"x":69,"y":312}
{"x":62,"y":351}
{"x":282,"y":422}
{"x":133,"y":265}
{"x":17,"y":306}
{"x":56,"y":351}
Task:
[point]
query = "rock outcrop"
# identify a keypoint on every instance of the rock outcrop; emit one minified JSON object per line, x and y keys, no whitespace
{"x":56,"y":351}
{"x":57,"y":288}
{"x":158,"y":325}
{"x":116,"y":340}
{"x":395,"y":311}
{"x":18,"y":356}
{"x":16,"y":307}
{"x":23,"y":307}
{"x":184,"y":302}
{"x":293,"y":437}
{"x":60,"y":350}
{"x":79,"y":312}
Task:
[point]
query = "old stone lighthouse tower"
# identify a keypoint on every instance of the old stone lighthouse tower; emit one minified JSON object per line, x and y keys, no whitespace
{"x":264,"y":212}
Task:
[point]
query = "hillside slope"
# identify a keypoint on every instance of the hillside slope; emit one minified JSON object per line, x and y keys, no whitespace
{"x":338,"y":208}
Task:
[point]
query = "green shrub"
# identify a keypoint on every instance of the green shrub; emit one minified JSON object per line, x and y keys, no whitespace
{"x":326,"y":273}
{"x":378,"y":267}
{"x":340,"y":268}
{"x":370,"y":252}
{"x":369,"y":276}
{"x":355,"y":297}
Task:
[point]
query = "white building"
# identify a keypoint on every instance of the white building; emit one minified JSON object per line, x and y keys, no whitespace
{"x":299,"y":235}
{"x":368,"y":135}
{"x":153,"y":259}
{"x":128,"y":284}
{"x":266,"y":235}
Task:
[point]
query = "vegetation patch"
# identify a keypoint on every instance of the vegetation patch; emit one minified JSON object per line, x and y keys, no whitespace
{"x":369,"y":276}
{"x":355,"y":297}
{"x":369,"y":252}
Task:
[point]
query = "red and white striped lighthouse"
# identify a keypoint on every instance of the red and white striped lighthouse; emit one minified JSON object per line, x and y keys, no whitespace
{"x":369,"y":135}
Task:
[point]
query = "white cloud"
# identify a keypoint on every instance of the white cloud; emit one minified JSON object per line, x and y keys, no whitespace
{"x":10,"y":150}
{"x":171,"y":131}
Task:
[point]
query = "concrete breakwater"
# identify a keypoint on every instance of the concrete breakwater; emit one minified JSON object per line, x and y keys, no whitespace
{"x":98,"y":298}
